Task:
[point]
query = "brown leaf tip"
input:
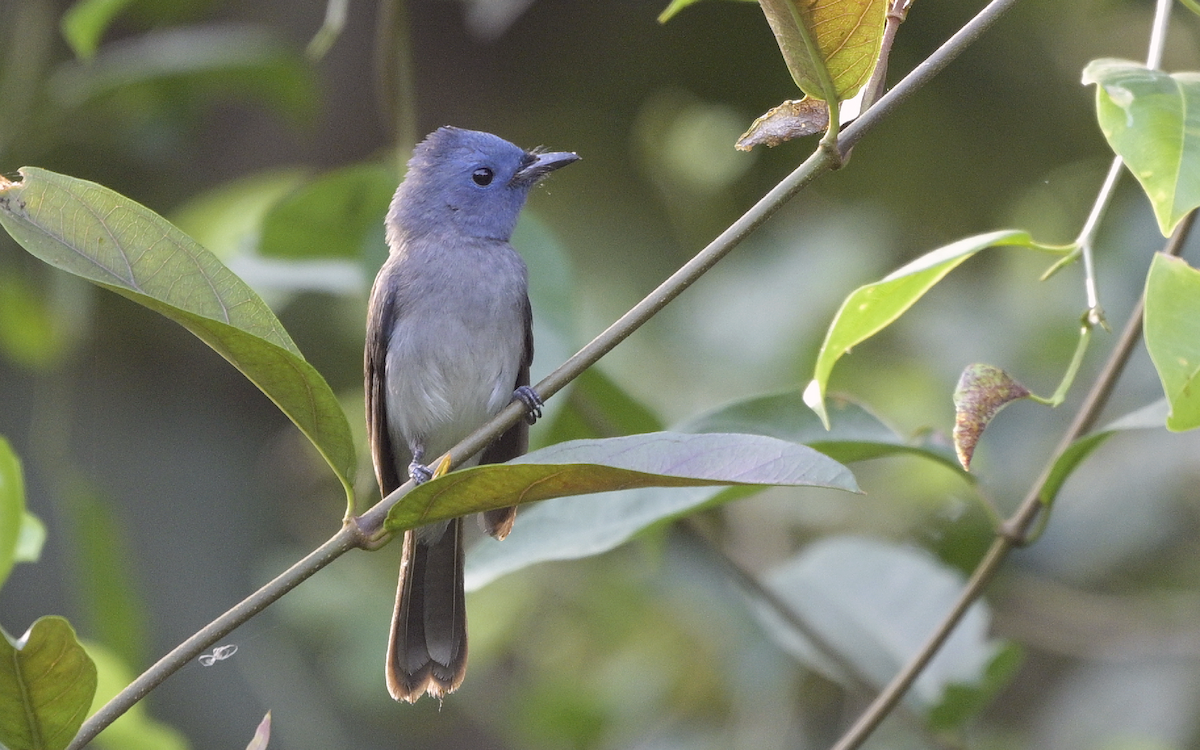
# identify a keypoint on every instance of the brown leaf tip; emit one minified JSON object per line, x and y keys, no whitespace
{"x":983,"y":390}
{"x":793,"y":119}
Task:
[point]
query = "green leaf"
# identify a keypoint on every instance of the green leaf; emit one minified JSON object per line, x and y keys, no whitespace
{"x":1191,"y":5}
{"x":659,"y":459}
{"x":47,"y":681}
{"x":334,"y":215}
{"x":871,"y":308}
{"x":135,"y":729}
{"x":92,"y":232}
{"x":596,"y":407}
{"x":31,"y":539}
{"x":855,"y":434}
{"x":1152,"y":120}
{"x":847,"y":35}
{"x":874,"y":604}
{"x":86,"y":21}
{"x":12,"y":508}
{"x":1172,"y":329}
{"x":1148,"y":417}
{"x":678,"y":5}
{"x":960,"y":702}
{"x":217,"y":59}
{"x":227,"y":219}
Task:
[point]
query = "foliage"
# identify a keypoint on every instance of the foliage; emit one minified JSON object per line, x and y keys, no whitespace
{"x":860,"y":594}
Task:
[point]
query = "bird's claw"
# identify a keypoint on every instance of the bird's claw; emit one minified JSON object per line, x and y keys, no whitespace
{"x":420,"y":473}
{"x":533,"y":403}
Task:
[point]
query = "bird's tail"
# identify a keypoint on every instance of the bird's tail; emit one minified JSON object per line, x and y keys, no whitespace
{"x":427,"y":652}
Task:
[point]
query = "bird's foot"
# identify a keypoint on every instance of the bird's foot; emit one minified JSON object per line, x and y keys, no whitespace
{"x":419,"y":472}
{"x":533,"y":403}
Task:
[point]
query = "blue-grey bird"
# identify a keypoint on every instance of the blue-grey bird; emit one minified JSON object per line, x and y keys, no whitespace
{"x":449,"y":345}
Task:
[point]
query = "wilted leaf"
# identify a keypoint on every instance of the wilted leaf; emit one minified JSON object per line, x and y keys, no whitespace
{"x":847,"y":35}
{"x":875,"y":604}
{"x":792,"y":119}
{"x":983,"y":390}
{"x":1152,"y":120}
{"x":1172,"y":329}
{"x":47,"y":682}
{"x":871,"y":308}
{"x":658,"y":459}
{"x":92,"y":232}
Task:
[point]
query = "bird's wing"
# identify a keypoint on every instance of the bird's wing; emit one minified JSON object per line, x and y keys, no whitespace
{"x":380,"y":318}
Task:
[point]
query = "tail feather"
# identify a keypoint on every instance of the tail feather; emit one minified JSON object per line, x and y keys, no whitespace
{"x":427,"y":652}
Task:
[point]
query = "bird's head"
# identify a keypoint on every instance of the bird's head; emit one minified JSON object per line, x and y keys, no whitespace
{"x":468,"y":182}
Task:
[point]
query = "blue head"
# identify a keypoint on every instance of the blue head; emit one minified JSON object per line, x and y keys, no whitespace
{"x":469,"y":183}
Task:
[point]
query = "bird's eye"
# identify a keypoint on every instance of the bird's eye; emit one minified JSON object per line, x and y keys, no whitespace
{"x":483,"y":176}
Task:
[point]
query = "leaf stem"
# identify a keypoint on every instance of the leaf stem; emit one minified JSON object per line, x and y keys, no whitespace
{"x":1081,"y":347}
{"x":1013,"y":533}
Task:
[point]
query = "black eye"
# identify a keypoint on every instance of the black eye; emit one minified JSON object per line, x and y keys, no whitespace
{"x":483,"y":176}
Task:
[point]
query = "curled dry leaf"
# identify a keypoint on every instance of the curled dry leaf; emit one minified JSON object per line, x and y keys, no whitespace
{"x":795,"y":118}
{"x":983,"y":390}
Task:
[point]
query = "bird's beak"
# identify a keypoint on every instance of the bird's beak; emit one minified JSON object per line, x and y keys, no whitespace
{"x":542,"y":165}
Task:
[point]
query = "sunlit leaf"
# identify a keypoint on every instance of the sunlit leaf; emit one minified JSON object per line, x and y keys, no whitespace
{"x":871,"y":308}
{"x":135,"y":729}
{"x":47,"y":681}
{"x":875,"y":604}
{"x":227,"y":219}
{"x":92,"y":232}
{"x":86,"y":21}
{"x":1172,"y":329}
{"x":30,"y":540}
{"x":12,"y":507}
{"x":847,"y":34}
{"x":659,"y":459}
{"x":1152,"y":120}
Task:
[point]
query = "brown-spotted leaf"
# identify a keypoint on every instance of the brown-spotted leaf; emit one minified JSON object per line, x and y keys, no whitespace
{"x":983,"y":390}
{"x":794,"y":118}
{"x":847,"y":35}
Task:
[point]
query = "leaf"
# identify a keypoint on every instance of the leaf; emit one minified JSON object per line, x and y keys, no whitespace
{"x":982,"y":391}
{"x":334,"y":215}
{"x":596,"y":407}
{"x":1152,"y":121}
{"x":871,"y":308}
{"x":86,"y":21}
{"x":855,"y":434}
{"x":1148,"y":417}
{"x":792,"y":119}
{"x":847,"y":34}
{"x":659,"y":459}
{"x":227,"y":219}
{"x":135,"y":729}
{"x":875,"y":604}
{"x":47,"y":681}
{"x":678,"y":5}
{"x":31,"y":539}
{"x":1172,"y":330}
{"x":262,"y":735}
{"x":92,"y":232}
{"x":12,"y":508}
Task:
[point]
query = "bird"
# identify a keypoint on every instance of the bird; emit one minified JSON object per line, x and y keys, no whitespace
{"x":449,"y":344}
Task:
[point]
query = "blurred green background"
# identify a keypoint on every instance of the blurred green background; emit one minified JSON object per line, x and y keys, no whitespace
{"x":172,"y":488}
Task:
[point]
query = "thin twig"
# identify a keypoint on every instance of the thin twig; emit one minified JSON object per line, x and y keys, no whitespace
{"x":1013,"y":532}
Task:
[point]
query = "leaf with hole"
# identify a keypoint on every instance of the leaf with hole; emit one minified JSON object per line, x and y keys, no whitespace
{"x":92,"y":232}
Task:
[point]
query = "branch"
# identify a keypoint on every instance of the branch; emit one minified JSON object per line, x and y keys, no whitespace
{"x":365,"y":530}
{"x":1013,"y":532}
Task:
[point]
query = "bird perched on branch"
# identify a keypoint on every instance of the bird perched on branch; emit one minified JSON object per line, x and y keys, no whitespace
{"x":449,"y":344}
